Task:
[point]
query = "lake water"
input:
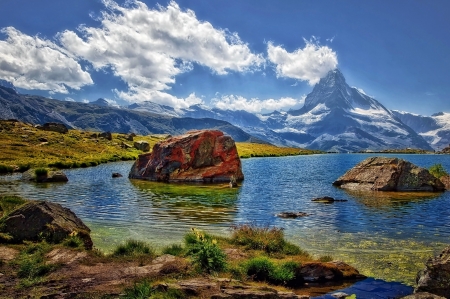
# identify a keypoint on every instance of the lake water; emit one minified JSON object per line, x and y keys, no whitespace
{"x":385,"y":235}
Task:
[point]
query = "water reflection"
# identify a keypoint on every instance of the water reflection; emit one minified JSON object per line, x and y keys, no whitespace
{"x":388,"y":200}
{"x":194,"y":203}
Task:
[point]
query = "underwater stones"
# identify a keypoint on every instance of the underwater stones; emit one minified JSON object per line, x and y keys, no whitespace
{"x":435,"y":278}
{"x":292,"y":214}
{"x":206,"y":156}
{"x":37,"y":220}
{"x":389,"y":174}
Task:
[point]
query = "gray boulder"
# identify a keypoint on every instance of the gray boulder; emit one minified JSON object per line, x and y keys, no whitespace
{"x":435,"y":278}
{"x":49,"y":177}
{"x":106,"y":135}
{"x":142,"y":145}
{"x":389,"y":174}
{"x":54,"y":127}
{"x":37,"y":220}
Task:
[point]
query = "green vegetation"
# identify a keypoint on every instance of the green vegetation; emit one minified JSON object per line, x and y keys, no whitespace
{"x":22,"y":146}
{"x":205,"y":252}
{"x":265,"y":269}
{"x":144,"y":290}
{"x":8,"y":203}
{"x":270,"y":240}
{"x":31,"y":263}
{"x":248,"y":150}
{"x":438,"y":170}
{"x":326,"y":258}
{"x":73,"y":241}
{"x":41,"y":172}
{"x":133,"y":248}
{"x":174,"y":249}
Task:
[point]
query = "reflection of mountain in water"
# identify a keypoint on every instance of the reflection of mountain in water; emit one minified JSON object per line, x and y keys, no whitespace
{"x":197,"y":204}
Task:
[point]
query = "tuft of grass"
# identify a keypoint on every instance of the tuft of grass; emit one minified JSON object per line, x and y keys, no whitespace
{"x":73,"y":241}
{"x":174,"y":249}
{"x":438,"y":170}
{"x":265,"y":238}
{"x":41,"y":172}
{"x":133,"y":248}
{"x":326,"y":258}
{"x":261,"y":268}
{"x":141,"y":290}
{"x":6,"y":169}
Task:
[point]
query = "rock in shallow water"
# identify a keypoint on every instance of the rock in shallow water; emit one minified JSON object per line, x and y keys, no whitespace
{"x":197,"y":156}
{"x":435,"y":278}
{"x":389,"y":174}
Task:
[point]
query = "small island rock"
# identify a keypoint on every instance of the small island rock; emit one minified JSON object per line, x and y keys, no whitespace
{"x":49,"y":177}
{"x":435,"y":278}
{"x":116,"y":175}
{"x":41,"y":219}
{"x":198,"y":156}
{"x":292,"y":214}
{"x":327,"y":199}
{"x":389,"y":174}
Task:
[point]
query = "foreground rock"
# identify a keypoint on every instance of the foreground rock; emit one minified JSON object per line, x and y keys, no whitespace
{"x":331,"y":271}
{"x":435,"y":278}
{"x":37,"y":220}
{"x":389,"y":174}
{"x":49,"y":177}
{"x":197,"y":156}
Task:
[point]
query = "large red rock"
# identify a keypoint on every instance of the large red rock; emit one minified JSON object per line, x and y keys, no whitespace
{"x":389,"y":174}
{"x":197,"y":156}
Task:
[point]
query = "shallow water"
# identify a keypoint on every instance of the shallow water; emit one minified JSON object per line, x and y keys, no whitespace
{"x":387,"y":235}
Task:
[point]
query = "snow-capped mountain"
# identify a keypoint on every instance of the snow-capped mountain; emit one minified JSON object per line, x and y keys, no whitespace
{"x":435,"y":129}
{"x":342,"y":118}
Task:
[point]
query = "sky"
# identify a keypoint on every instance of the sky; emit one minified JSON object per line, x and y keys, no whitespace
{"x":253,"y":55}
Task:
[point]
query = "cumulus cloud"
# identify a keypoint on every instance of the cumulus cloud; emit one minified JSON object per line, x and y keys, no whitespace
{"x":308,"y":64}
{"x":148,"y":48}
{"x":233,"y":102}
{"x":31,"y":62}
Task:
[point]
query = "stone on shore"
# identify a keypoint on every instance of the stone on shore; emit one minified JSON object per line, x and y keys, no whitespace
{"x":206,"y":156}
{"x":389,"y":174}
{"x":37,"y":220}
{"x":435,"y":278}
{"x":142,"y":145}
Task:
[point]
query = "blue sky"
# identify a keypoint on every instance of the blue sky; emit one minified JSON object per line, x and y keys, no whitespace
{"x":256,"y":55}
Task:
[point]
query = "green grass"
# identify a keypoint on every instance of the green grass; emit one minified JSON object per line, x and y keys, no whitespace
{"x":31,"y":264}
{"x":8,"y":203}
{"x":134,"y":248}
{"x":205,"y":252}
{"x":73,"y":241}
{"x":41,"y":172}
{"x":72,"y":150}
{"x":145,"y":290}
{"x":264,"y":269}
{"x":174,"y":249}
{"x":438,"y":170}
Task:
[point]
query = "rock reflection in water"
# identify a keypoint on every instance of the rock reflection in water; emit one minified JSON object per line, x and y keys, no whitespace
{"x":194,"y":203}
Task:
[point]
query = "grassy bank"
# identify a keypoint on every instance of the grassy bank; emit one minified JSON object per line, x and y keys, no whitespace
{"x":23,"y":146}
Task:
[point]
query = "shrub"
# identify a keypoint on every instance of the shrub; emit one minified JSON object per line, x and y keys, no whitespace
{"x":325,"y":258}
{"x":174,"y":249}
{"x":141,"y":290}
{"x":31,"y":263}
{"x":205,"y":252}
{"x":438,"y":170}
{"x":284,"y":273}
{"x":133,"y":248}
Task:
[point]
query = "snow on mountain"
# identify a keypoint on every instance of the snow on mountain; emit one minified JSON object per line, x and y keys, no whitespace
{"x":342,"y":118}
{"x":435,"y":129}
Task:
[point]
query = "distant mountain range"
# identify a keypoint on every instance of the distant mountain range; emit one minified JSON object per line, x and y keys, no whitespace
{"x":335,"y":117}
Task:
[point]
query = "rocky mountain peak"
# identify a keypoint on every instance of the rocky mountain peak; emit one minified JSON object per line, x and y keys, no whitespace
{"x":8,"y":84}
{"x":100,"y":102}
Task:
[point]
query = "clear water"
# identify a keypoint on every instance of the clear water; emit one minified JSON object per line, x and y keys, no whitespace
{"x":385,"y":235}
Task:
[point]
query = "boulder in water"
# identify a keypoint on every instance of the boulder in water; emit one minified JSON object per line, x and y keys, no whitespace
{"x":435,"y":278}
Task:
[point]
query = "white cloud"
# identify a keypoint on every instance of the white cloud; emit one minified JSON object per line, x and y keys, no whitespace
{"x":232,"y":102}
{"x":69,"y":99}
{"x":148,"y":48}
{"x":308,"y":64}
{"x":31,"y":62}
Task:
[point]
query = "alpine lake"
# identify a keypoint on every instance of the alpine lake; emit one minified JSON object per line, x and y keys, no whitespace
{"x":385,"y":235}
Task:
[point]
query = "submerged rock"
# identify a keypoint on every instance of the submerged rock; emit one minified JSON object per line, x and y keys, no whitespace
{"x":197,"y":156}
{"x":37,"y":220}
{"x":389,"y":174}
{"x":327,"y":199}
{"x":292,"y":214}
{"x":49,"y":177}
{"x":435,"y":278}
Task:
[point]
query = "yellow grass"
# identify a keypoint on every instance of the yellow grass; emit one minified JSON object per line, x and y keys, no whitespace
{"x":248,"y":150}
